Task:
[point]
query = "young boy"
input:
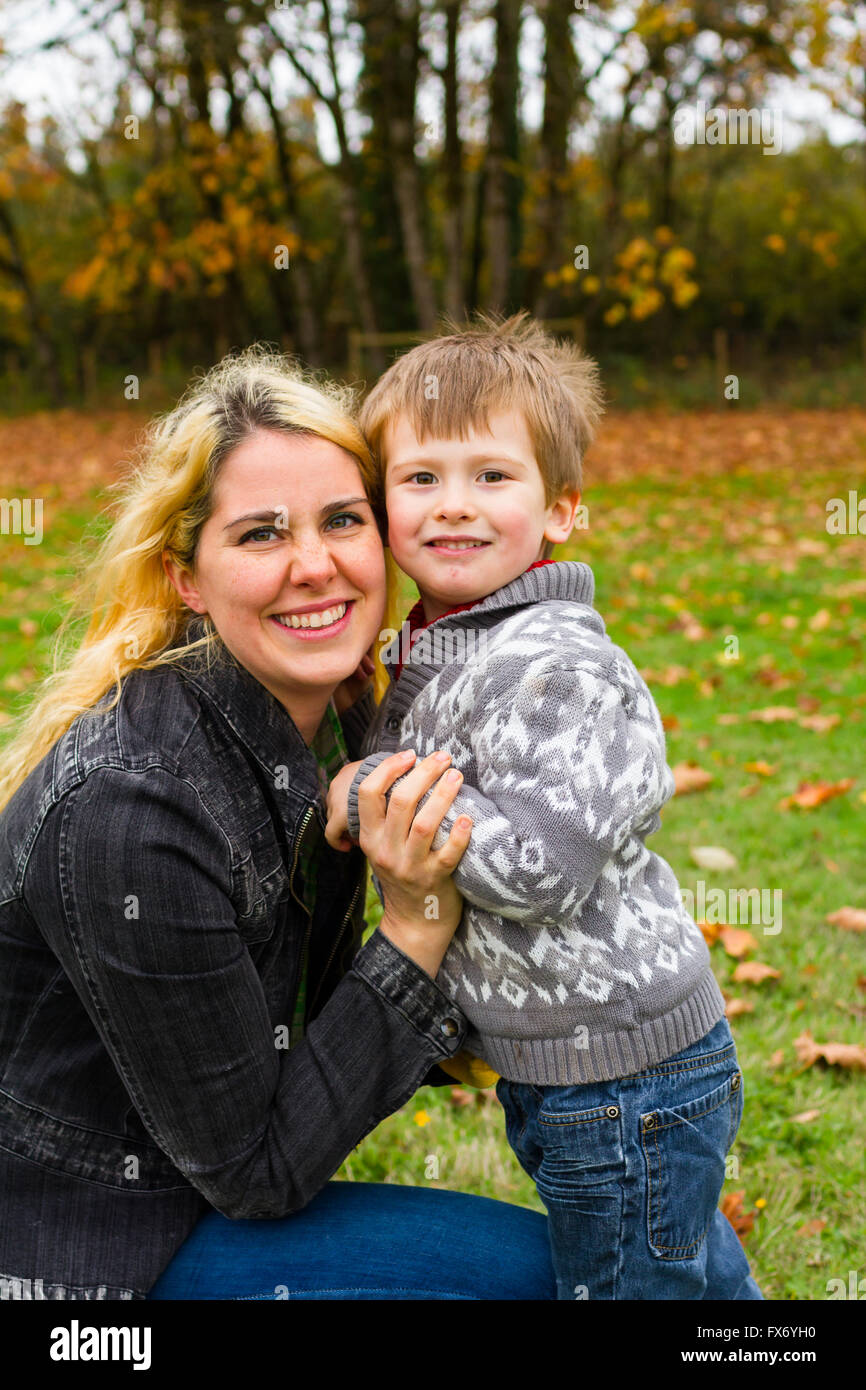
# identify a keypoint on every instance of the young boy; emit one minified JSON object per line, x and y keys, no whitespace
{"x":587,"y":986}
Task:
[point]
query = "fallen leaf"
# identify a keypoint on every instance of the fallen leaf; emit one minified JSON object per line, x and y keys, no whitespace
{"x":732,"y":1207}
{"x":777,"y":1059}
{"x":849,"y":918}
{"x":753,"y":972}
{"x":737,"y":941}
{"x":861,"y":981}
{"x":688,"y":777}
{"x":851,"y":1055}
{"x":805,"y":1117}
{"x":820,"y":723}
{"x":762,"y":769}
{"x":774,"y":714}
{"x":750,"y":789}
{"x":820,"y":620}
{"x":710,"y":932}
{"x":727,"y":719}
{"x":670,"y":723}
{"x":712,"y":857}
{"x":734,"y":1007}
{"x":811,"y":794}
{"x":459,"y":1097}
{"x":813,"y":1227}
{"x":831,"y":866}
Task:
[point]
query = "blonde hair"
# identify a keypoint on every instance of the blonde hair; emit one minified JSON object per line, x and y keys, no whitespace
{"x":136,"y":617}
{"x":449,"y":384}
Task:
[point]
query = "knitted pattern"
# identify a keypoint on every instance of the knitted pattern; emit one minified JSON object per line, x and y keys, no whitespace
{"x":575,"y":959}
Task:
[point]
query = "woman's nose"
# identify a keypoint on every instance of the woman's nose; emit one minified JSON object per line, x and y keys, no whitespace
{"x":311,"y":561}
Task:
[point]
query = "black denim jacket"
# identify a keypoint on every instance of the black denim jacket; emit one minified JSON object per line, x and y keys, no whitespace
{"x":151,"y":940}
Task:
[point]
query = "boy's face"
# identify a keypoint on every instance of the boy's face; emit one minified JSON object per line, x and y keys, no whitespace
{"x":486,"y":488}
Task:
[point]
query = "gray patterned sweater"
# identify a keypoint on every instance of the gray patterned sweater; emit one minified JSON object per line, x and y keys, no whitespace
{"x":575,"y":960}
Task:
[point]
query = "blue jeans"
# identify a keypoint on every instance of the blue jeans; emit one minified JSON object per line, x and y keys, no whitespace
{"x":369,"y":1241}
{"x":631,"y":1171}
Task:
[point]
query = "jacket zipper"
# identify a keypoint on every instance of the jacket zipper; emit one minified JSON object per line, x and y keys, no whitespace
{"x":337,"y":939}
{"x":300,"y":901}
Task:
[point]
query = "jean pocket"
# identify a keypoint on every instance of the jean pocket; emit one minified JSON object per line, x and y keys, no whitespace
{"x":684,"y":1149}
{"x":583,"y":1151}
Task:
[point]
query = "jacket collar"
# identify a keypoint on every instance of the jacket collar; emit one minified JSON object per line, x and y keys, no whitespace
{"x":556,"y":579}
{"x":255,"y":716}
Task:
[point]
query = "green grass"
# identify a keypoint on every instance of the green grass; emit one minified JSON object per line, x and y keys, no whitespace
{"x":735,"y":536}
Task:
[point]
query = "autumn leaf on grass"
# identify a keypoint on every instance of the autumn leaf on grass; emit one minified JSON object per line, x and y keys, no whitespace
{"x":710,"y":932}
{"x":774,"y":714}
{"x":762,"y":769}
{"x":848,"y":918}
{"x":688,"y":777}
{"x":811,"y":794}
{"x":805,"y":1117}
{"x":813,"y":1227}
{"x":753,"y":972}
{"x":851,"y":1055}
{"x":738,"y":1006}
{"x":820,"y":723}
{"x":732,"y":1208}
{"x":737,"y":941}
{"x":459,"y":1097}
{"x":713,"y":858}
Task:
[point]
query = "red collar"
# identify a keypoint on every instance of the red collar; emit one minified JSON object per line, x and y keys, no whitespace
{"x":417,"y":623}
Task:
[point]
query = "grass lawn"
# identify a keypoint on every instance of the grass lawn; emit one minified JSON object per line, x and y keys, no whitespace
{"x":716,"y":573}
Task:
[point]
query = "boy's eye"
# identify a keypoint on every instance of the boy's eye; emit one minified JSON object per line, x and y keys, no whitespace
{"x":492,"y":473}
{"x":421,"y":476}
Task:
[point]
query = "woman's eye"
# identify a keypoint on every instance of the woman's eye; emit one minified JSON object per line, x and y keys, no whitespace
{"x":345,"y":516}
{"x":260,"y":531}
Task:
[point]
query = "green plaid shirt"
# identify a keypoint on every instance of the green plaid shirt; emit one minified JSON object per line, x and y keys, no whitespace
{"x":329,"y":749}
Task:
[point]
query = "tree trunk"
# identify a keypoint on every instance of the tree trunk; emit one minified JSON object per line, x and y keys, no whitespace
{"x":43,"y":342}
{"x":452,"y":227}
{"x":560,"y":87}
{"x":503,"y":183}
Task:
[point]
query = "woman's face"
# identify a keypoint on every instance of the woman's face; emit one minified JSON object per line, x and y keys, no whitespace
{"x":291,"y":534}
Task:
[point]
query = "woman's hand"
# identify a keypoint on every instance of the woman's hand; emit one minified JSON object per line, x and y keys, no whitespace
{"x":422,"y":905}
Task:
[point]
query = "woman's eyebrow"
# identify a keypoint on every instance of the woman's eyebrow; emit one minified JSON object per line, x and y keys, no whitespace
{"x":271,"y":516}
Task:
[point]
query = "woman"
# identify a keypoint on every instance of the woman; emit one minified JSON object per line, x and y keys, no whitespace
{"x":192,"y":1036}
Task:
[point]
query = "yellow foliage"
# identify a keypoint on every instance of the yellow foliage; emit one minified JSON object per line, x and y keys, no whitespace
{"x":776,"y":243}
{"x":646,"y":303}
{"x":591,"y":285}
{"x":615,"y":314}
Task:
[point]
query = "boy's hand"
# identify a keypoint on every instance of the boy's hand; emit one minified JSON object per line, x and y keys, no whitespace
{"x":354,"y":686}
{"x":337,"y":829}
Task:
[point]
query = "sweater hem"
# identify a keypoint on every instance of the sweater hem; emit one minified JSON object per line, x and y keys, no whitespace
{"x":603,"y":1056}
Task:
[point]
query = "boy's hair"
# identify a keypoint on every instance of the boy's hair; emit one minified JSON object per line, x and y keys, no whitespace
{"x":448,"y":385}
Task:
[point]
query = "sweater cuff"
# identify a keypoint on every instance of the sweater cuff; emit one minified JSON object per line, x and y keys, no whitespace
{"x":353,"y":821}
{"x":356,"y":720}
{"x":410,"y":990}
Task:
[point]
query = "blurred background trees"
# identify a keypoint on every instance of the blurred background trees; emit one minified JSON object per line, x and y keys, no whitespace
{"x":310,"y":171}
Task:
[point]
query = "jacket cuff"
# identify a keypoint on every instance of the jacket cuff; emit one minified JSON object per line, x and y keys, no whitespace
{"x":353,"y":821}
{"x":356,"y":720}
{"x":410,"y":990}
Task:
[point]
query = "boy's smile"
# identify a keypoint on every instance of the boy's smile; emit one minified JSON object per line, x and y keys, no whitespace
{"x":466,"y":516}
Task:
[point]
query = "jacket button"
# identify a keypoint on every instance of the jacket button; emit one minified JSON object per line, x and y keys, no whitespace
{"x":392,"y":724}
{"x":450,"y":1027}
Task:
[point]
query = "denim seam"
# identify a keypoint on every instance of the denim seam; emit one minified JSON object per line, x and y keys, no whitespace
{"x":705,"y":1061}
